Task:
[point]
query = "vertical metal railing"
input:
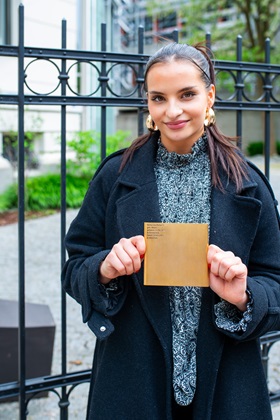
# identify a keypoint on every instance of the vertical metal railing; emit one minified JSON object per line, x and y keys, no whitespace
{"x":208,"y":43}
{"x":63,"y":403}
{"x":140,"y":79}
{"x":21,"y":226}
{"x":267,"y":88}
{"x":103,"y":80}
{"x":239,"y":88}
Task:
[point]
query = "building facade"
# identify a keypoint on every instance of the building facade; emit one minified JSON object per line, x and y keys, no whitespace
{"x":42,"y":29}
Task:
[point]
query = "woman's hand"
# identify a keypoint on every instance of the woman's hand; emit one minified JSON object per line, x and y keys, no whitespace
{"x":228,"y":276}
{"x":124,"y":259}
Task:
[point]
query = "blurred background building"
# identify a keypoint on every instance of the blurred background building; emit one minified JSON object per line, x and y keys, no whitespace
{"x":84,"y":17}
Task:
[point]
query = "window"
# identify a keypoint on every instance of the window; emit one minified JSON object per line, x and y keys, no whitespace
{"x":5,"y":22}
{"x":168,"y":21}
{"x":148,"y":23}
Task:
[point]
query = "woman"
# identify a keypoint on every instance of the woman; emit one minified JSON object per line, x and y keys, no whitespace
{"x":177,"y":352}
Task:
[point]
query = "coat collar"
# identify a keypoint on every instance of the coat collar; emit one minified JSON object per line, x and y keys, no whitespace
{"x":141,"y":169}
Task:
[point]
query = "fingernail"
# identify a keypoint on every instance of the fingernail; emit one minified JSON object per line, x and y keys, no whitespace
{"x":209,"y":266}
{"x":136,"y":271}
{"x":142,"y":256}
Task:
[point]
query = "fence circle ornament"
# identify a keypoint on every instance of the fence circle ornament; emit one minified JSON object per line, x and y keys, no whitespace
{"x":253,"y":87}
{"x":47,"y":69}
{"x":275,"y":91}
{"x":83,"y":70}
{"x":123,"y":78}
{"x":225,"y":85}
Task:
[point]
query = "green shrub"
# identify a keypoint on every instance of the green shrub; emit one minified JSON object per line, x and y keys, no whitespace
{"x":43,"y":193}
{"x":255,"y":148}
{"x":9,"y":198}
{"x":117,"y":141}
{"x":86,"y":147}
{"x":75,"y":190}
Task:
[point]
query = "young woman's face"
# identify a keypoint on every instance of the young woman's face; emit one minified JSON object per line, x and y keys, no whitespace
{"x":177,"y":102}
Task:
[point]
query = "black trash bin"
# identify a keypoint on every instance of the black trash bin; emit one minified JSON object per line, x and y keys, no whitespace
{"x":40,"y":332}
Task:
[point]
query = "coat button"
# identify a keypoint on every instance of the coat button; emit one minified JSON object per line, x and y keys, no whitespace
{"x":102,"y":329}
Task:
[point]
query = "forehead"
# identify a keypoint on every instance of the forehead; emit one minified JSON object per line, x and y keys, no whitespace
{"x":174,"y":72}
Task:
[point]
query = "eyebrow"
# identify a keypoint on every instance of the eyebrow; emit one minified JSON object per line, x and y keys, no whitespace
{"x":181,"y":90}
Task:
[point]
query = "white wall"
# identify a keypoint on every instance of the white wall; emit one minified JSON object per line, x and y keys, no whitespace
{"x":43,"y":22}
{"x":42,"y":28}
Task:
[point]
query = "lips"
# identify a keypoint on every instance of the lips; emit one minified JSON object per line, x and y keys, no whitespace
{"x":176,"y":125}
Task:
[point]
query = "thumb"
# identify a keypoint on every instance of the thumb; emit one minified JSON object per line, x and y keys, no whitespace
{"x":212,"y":250}
{"x":139,"y":243}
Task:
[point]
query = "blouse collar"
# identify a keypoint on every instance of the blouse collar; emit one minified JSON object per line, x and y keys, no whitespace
{"x":174,"y":160}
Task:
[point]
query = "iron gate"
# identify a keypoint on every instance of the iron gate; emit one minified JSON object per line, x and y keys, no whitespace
{"x":104,"y":97}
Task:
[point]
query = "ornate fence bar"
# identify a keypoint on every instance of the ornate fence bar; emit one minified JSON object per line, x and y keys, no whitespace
{"x":104,"y":96}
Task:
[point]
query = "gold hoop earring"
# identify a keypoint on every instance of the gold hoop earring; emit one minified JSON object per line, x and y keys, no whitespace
{"x":150,"y":124}
{"x":210,"y":117}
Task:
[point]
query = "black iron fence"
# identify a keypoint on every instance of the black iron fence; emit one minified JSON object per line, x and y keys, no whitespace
{"x":234,"y":95}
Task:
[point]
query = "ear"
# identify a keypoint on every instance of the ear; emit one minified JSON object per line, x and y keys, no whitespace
{"x":211,"y":95}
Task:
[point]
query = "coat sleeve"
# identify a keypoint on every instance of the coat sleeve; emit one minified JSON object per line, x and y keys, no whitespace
{"x":264,"y":268}
{"x":87,"y":247}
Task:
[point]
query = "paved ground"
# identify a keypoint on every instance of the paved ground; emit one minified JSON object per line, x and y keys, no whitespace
{"x":43,"y":286}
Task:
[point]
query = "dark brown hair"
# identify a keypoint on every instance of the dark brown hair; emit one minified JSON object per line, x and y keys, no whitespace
{"x":222,"y":150}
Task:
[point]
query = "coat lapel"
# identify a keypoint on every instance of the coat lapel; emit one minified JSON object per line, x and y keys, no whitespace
{"x":138,"y":202}
{"x":234,"y":218}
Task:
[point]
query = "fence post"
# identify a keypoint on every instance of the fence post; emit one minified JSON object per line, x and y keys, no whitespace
{"x":64,"y":402}
{"x":267,"y":87}
{"x":21,"y":226}
{"x":140,"y":79}
{"x":103,"y":80}
{"x":239,"y":88}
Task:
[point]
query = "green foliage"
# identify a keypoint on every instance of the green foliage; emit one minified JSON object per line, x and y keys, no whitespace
{"x":255,"y":20}
{"x":255,"y":148}
{"x":9,"y":198}
{"x":10,"y":150}
{"x":75,"y":190}
{"x":117,"y":141}
{"x":86,"y":147}
{"x":43,"y":192}
{"x":84,"y":144}
{"x":10,"y":143}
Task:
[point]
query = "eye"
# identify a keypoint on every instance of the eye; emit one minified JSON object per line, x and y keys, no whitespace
{"x":188,"y":94}
{"x":157,"y":98}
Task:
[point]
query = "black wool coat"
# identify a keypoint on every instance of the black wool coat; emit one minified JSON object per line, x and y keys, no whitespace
{"x":132,"y":368}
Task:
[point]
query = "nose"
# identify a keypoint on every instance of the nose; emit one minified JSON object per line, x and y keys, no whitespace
{"x":173,"y":110}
